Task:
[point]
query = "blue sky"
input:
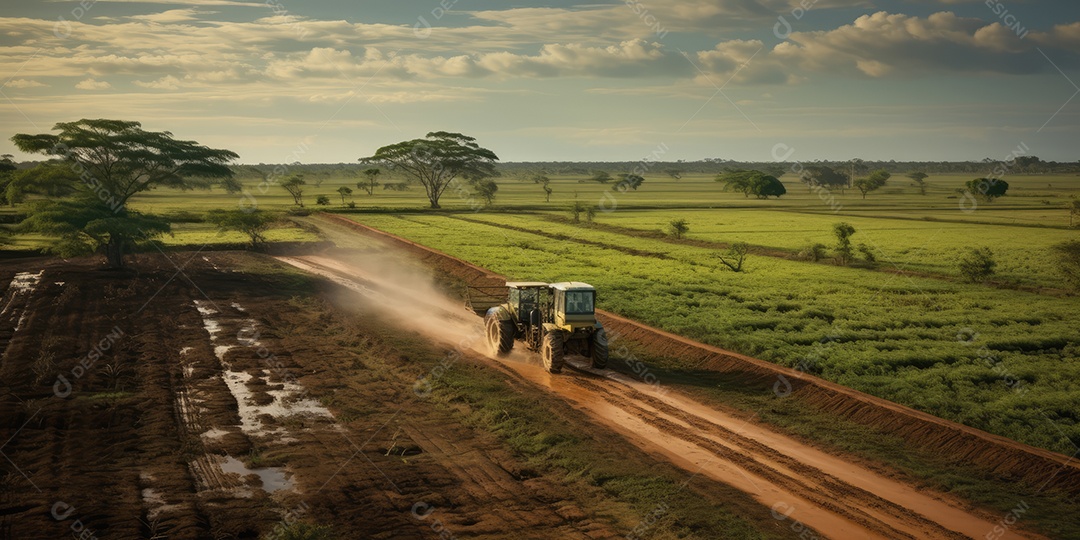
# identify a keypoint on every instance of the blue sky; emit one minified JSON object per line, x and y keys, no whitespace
{"x":330,"y":81}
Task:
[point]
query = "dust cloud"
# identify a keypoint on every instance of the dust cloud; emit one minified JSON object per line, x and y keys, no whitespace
{"x":403,"y":294}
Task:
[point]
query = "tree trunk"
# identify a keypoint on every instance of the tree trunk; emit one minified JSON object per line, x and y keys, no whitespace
{"x":114,"y":253}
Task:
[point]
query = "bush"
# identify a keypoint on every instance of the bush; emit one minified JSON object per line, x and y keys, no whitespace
{"x":977,"y":264}
{"x":867,"y":253}
{"x":678,"y":228}
{"x":812,"y":252}
{"x":322,"y":200}
{"x":843,"y":232}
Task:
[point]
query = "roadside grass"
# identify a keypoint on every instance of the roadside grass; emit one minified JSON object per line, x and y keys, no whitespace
{"x":921,"y":466}
{"x":900,"y":338}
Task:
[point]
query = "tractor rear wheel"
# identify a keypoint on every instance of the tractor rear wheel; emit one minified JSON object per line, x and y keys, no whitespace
{"x":551,"y":352}
{"x":500,"y":336}
{"x":599,"y":349}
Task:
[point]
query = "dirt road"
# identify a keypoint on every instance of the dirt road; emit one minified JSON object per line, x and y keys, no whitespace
{"x":802,"y":485}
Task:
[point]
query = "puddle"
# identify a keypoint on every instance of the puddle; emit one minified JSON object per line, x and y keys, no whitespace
{"x":214,"y":434}
{"x":220,"y":350}
{"x":25,"y":281}
{"x":273,"y":478}
{"x":153,"y":500}
{"x":284,"y":404}
{"x":22,"y":283}
{"x":237,"y":307}
{"x":185,"y":350}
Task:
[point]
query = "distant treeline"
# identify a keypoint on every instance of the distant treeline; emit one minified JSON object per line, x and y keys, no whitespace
{"x":524,"y":170}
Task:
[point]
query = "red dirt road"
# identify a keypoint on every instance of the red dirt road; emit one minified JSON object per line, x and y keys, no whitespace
{"x":834,"y":496}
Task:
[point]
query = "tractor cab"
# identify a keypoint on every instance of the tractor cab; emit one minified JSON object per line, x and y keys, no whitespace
{"x":575,"y":305}
{"x":528,"y":300}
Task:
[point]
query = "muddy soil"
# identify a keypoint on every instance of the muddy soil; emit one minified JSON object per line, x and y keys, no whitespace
{"x":192,"y":397}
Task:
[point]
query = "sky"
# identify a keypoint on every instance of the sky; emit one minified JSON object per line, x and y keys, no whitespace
{"x":281,"y":81}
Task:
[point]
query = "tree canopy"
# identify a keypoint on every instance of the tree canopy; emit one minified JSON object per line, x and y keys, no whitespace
{"x":986,"y":188}
{"x":875,"y":181}
{"x":253,"y":223}
{"x":752,"y":182}
{"x":108,"y":162}
{"x":437,"y":160}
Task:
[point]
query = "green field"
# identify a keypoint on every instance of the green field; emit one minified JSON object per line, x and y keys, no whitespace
{"x":891,"y":335}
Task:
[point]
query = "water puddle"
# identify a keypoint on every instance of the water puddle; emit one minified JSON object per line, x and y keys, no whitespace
{"x":273,"y":479}
{"x":153,"y":500}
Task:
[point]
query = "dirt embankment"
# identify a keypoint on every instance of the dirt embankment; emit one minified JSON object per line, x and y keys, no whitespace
{"x":1001,"y":457}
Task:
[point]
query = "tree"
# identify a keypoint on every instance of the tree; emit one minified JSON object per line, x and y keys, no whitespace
{"x":601,"y":177}
{"x":1074,"y":209}
{"x":629,"y":181}
{"x":977,"y":264}
{"x":544,"y":182}
{"x":920,"y":180}
{"x":295,"y":186}
{"x":486,"y":189}
{"x":678,"y":228}
{"x":372,"y":180}
{"x":111,"y":161}
{"x":843,"y":232}
{"x":987,"y":189}
{"x":737,"y":254}
{"x":344,"y":191}
{"x":820,"y":175}
{"x":580,"y":208}
{"x":740,"y":180}
{"x":876,"y":180}
{"x":53,"y":179}
{"x":766,"y":186}
{"x":253,"y":223}
{"x":437,"y":160}
{"x":322,"y":200}
{"x":752,"y":182}
{"x":1068,"y":258}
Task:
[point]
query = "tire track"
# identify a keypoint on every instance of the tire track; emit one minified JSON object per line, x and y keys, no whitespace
{"x":828,"y":493}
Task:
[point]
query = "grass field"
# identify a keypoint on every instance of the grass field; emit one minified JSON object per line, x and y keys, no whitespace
{"x":891,"y":335}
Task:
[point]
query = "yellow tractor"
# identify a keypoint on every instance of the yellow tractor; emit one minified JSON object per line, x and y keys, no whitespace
{"x":554,"y":319}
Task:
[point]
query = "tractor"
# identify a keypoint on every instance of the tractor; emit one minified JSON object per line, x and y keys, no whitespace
{"x":554,"y":319}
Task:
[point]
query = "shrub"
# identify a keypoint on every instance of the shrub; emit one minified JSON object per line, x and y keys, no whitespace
{"x":812,"y":252}
{"x":867,"y":253}
{"x":977,"y":264}
{"x":843,"y":232}
{"x":678,"y":228}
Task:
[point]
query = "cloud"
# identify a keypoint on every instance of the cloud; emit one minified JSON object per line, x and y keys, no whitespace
{"x":24,"y":83}
{"x":91,"y":84}
{"x":167,"y":82}
{"x":172,"y":16}
{"x":886,"y":44}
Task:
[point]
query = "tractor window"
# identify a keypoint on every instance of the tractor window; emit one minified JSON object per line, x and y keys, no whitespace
{"x":513,"y":296}
{"x":579,"y":302}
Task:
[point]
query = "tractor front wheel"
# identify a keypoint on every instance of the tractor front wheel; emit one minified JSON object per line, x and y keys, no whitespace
{"x":551,"y":351}
{"x":599,"y":349}
{"x":500,"y":336}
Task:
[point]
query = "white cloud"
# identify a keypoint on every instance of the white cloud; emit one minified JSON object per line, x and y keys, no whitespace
{"x":167,"y":82}
{"x":884,"y":44}
{"x":172,"y":16}
{"x":24,"y":83}
{"x":91,"y":84}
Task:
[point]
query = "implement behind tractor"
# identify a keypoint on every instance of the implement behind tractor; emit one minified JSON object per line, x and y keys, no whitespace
{"x":554,"y":319}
